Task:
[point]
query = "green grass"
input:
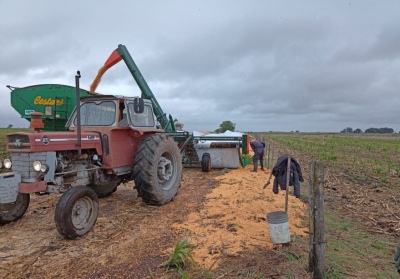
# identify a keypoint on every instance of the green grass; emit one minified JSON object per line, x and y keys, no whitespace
{"x":349,"y":249}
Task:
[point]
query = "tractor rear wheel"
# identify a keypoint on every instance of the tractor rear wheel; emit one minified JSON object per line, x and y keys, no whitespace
{"x":76,"y":212}
{"x":10,"y":212}
{"x":157,"y":169}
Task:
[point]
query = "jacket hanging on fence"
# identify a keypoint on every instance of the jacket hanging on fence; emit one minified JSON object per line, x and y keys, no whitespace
{"x":279,"y":171}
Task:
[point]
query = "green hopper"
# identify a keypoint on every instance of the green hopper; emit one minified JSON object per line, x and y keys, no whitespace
{"x":55,"y":101}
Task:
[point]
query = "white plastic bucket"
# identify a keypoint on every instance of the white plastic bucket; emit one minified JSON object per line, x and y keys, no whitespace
{"x":278,"y":227}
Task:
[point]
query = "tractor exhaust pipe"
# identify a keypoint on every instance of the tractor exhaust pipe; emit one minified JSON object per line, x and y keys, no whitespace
{"x":78,"y":113}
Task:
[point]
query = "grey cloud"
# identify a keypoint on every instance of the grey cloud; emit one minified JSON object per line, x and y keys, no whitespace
{"x":264,"y":65}
{"x":386,"y":45}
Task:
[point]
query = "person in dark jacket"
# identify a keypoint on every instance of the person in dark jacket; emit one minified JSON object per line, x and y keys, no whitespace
{"x":280,"y":173}
{"x":258,"y":148}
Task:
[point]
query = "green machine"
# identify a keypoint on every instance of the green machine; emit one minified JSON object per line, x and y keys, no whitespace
{"x":55,"y":101}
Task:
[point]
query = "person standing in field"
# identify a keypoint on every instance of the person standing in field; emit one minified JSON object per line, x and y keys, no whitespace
{"x":258,"y":148}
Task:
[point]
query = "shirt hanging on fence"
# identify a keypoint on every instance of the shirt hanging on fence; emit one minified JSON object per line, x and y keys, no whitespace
{"x":280,"y":173}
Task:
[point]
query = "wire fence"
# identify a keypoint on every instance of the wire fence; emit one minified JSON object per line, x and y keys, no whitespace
{"x":272,"y":152}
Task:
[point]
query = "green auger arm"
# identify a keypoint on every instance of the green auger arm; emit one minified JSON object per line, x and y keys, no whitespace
{"x":122,"y":53}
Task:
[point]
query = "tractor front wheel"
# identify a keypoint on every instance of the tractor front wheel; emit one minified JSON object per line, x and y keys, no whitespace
{"x":157,"y":169}
{"x":76,"y":212}
{"x":10,"y":212}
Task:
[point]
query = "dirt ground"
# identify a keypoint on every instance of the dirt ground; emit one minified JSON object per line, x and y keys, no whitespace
{"x":222,"y":213}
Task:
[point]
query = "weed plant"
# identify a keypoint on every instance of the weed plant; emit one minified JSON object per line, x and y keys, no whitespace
{"x":180,"y":258}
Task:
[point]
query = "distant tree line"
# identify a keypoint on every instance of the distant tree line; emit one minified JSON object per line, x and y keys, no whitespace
{"x":225,"y":126}
{"x":369,"y":130}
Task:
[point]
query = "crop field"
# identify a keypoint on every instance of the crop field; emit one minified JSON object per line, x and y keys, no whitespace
{"x":364,"y":159}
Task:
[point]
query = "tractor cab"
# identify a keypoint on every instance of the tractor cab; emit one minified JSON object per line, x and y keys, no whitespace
{"x":114,"y":112}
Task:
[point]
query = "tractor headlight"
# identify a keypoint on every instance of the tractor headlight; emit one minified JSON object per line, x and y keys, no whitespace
{"x":37,"y":165}
{"x":44,"y":168}
{"x":7,"y":163}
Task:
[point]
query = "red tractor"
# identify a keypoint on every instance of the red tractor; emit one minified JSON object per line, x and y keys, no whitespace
{"x":111,"y":140}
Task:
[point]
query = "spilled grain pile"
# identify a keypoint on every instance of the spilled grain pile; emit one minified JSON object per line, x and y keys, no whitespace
{"x":233,"y":217}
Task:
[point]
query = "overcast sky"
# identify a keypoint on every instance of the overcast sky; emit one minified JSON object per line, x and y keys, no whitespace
{"x":264,"y":65}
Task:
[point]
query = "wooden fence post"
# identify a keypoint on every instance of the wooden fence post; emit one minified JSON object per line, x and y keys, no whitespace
{"x":269,"y":155}
{"x":316,"y":217}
